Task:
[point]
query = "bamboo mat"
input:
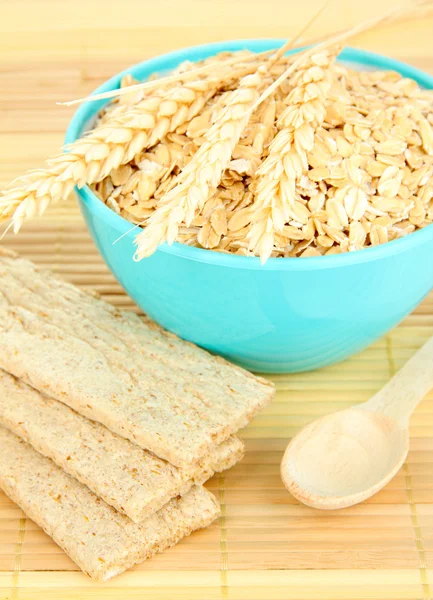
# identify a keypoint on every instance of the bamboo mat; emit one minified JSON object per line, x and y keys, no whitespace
{"x":265,"y":546}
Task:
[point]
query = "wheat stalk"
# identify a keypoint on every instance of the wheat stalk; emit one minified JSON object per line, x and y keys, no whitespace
{"x":275,"y":195}
{"x":106,"y":147}
{"x":276,"y":187}
{"x":203,"y":173}
{"x":213,"y":65}
{"x":210,"y":64}
{"x":256,"y":58}
{"x":328,"y":41}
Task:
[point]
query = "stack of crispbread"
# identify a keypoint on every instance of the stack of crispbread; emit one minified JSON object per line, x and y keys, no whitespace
{"x":108,"y":424}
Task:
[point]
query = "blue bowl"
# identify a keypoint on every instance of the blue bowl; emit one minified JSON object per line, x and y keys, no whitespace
{"x":292,"y":314}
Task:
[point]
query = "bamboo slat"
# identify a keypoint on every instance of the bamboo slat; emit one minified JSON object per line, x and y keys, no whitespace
{"x":265,"y":546}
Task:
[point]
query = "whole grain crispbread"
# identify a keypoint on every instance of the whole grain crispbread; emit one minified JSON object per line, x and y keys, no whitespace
{"x":147,"y":385}
{"x":99,"y":539}
{"x":133,"y":480}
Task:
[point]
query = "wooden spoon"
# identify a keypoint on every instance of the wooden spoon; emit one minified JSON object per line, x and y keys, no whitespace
{"x":344,"y":458}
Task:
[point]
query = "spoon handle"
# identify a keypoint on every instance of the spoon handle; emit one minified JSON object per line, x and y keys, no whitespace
{"x":402,"y":394}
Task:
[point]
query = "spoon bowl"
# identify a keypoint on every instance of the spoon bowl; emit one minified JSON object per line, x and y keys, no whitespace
{"x":344,"y":458}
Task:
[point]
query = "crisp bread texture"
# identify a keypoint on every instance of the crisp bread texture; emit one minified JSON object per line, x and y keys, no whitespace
{"x":98,"y":538}
{"x":133,"y":480}
{"x":147,"y":385}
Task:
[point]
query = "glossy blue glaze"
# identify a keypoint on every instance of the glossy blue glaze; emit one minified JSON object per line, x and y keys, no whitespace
{"x":293,"y":314}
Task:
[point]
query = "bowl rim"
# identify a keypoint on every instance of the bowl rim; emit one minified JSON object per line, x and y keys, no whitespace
{"x":167,"y":61}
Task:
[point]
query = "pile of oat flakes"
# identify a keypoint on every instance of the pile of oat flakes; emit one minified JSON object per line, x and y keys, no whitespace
{"x":366,"y":179}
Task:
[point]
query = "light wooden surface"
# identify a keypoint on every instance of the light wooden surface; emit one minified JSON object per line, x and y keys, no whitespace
{"x":266,"y":546}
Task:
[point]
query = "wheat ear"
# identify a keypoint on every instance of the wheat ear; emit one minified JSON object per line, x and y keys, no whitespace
{"x":108,"y":146}
{"x":203,"y":173}
{"x":275,"y":201}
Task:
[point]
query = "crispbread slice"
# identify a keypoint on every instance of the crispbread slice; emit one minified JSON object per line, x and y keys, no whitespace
{"x":143,"y":383}
{"x":99,"y":539}
{"x":131,"y":479}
